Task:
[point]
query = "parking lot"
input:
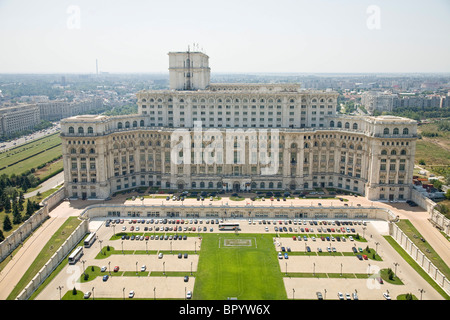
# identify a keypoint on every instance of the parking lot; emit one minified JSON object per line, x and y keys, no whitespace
{"x":164,"y":277}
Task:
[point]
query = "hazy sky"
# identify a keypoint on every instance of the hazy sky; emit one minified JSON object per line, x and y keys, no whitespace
{"x":48,"y":36}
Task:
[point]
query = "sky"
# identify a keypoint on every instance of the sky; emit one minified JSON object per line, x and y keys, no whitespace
{"x":239,"y":36}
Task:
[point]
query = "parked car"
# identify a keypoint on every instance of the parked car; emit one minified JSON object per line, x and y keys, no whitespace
{"x":186,"y":278}
{"x":319,"y":295}
{"x":340,"y":296}
{"x":87,"y":294}
{"x":116,"y":268}
{"x":131,"y":294}
{"x":386,"y":296}
{"x":105,"y":277}
{"x":189,"y":295}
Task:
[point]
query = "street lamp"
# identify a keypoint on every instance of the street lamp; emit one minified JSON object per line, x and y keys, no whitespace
{"x":421,"y":292}
{"x":395,"y":270}
{"x":164,"y":268}
{"x":60,"y":288}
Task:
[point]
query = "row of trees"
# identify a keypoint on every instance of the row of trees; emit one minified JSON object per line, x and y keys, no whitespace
{"x":12,"y":200}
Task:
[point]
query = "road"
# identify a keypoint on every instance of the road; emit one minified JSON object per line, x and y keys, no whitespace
{"x":48,"y":184}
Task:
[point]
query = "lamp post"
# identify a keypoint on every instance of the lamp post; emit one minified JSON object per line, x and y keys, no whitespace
{"x":421,"y":292}
{"x":93,"y":293}
{"x":60,"y":288}
{"x":314,"y":268}
{"x":395,"y":269}
{"x":123,"y":292}
{"x":84,"y":270}
{"x":164,"y":268}
{"x":293,"y":291}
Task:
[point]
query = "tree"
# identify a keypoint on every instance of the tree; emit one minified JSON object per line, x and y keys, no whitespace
{"x":7,"y":224}
{"x":2,"y":236}
{"x":74,"y":291}
{"x":422,"y":162}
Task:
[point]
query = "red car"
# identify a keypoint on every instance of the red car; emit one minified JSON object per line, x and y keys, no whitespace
{"x":365,"y":257}
{"x":116,"y":268}
{"x":306,"y":229}
{"x":294,"y":238}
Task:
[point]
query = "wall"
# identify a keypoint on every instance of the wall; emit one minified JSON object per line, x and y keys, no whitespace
{"x":55,"y":260}
{"x":419,"y":257}
{"x":16,"y":238}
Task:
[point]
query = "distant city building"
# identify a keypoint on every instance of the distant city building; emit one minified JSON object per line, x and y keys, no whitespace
{"x":18,"y":118}
{"x":375,"y":100}
{"x":230,"y":132}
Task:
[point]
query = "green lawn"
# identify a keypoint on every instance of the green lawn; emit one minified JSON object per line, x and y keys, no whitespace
{"x":31,"y":150}
{"x":245,"y":272}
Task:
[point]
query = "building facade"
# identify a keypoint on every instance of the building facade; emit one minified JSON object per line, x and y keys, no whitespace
{"x":18,"y":118}
{"x":203,"y":136}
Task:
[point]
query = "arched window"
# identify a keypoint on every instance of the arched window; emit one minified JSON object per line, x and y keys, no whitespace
{"x":383,"y":152}
{"x":405,"y":131}
{"x":71,"y":130}
{"x":279,"y":185}
{"x":331,"y":124}
{"x":306,"y":145}
{"x":127,"y":124}
{"x":134,"y":124}
{"x":339,"y":124}
{"x":386,"y":131}
{"x":119,"y":125}
{"x":80,"y":130}
{"x":210,"y":185}
{"x":347,"y":125}
{"x":202,"y":184}
{"x":355,"y":126}
{"x":393,"y":152}
{"x":262,"y":185}
{"x":141,"y":123}
{"x":142,"y":144}
{"x":293,"y":146}
{"x":82,"y":151}
{"x":253,"y":185}
{"x":73,"y":151}
{"x":344,"y":145}
{"x":92,"y":150}
{"x":270,"y":185}
{"x":403,"y":152}
{"x":194,"y":185}
{"x":324,"y":144}
{"x":90,"y":130}
{"x":396,"y":131}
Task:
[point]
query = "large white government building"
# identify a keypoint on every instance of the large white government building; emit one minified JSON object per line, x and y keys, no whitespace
{"x":309,"y":144}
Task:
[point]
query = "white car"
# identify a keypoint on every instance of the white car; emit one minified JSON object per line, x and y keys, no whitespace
{"x":103,"y":269}
{"x":131,"y":294}
{"x":87,"y":294}
{"x":124,"y":228}
{"x":340,"y":296}
{"x":386,"y":296}
{"x":160,"y":255}
{"x":189,"y":295}
{"x":143,"y":268}
{"x":347,"y":296}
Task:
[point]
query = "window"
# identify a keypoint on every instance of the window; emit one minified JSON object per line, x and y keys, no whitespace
{"x":71,"y":130}
{"x":396,"y":131}
{"x":80,"y":130}
{"x":386,"y":131}
{"x":90,"y":130}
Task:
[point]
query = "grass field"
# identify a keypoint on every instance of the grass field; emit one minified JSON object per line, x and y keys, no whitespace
{"x":32,"y":152}
{"x":241,"y":270}
{"x":435,"y":151}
